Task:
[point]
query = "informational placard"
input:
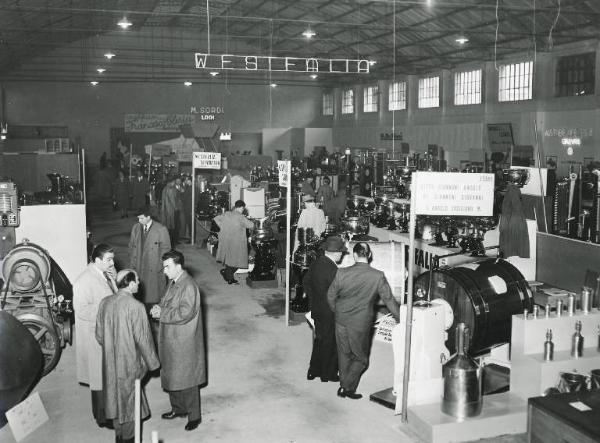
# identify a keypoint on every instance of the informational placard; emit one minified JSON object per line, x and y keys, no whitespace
{"x":156,"y":122}
{"x":27,"y":416}
{"x":283,"y":166}
{"x":383,"y":331}
{"x":206,"y":160}
{"x":451,"y":193}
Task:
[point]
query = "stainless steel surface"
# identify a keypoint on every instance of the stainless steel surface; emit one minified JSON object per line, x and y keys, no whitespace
{"x":536,"y":310}
{"x":577,"y":342}
{"x":571,"y":304}
{"x":548,"y":346}
{"x":559,"y":306}
{"x":462,"y":381}
{"x":586,"y":300}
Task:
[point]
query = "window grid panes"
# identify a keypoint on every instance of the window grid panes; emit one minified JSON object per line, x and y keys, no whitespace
{"x":467,"y":87}
{"x":328,"y":104}
{"x":348,"y":101}
{"x":575,"y":75}
{"x":429,"y":92}
{"x":371,"y":99}
{"x":515,"y":82}
{"x":397,"y":96}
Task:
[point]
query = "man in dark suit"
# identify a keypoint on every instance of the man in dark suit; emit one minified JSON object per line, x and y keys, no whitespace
{"x":323,"y":361}
{"x":352,"y":297}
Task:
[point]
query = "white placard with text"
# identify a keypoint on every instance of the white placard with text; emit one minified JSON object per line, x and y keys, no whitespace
{"x":27,"y":416}
{"x":206,"y":160}
{"x":283,"y":166}
{"x":451,"y":193}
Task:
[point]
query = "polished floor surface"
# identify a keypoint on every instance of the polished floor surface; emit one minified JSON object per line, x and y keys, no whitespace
{"x":257,"y":389}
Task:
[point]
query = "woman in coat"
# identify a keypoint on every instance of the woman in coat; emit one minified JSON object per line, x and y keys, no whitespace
{"x":233,"y":242}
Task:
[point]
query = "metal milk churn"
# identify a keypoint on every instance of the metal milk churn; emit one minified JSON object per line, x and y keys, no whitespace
{"x":462,"y":380}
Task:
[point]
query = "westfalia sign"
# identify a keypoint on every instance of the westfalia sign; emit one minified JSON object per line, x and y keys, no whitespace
{"x":281,"y":64}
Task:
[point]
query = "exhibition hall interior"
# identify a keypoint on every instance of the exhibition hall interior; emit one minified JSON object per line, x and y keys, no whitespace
{"x":299,"y":221}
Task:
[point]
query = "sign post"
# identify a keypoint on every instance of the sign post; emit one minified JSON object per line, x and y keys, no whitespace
{"x":440,"y":193}
{"x":201,"y":160}
{"x":284,"y":168}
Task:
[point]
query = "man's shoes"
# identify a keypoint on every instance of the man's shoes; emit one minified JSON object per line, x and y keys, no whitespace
{"x":310,"y":375}
{"x":335,"y":378}
{"x":191,"y":425}
{"x":172,"y":414}
{"x":222,"y":272}
{"x":233,"y":281}
{"x":344,"y":393}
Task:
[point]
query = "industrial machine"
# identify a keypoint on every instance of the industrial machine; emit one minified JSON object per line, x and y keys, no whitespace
{"x":264,"y":244}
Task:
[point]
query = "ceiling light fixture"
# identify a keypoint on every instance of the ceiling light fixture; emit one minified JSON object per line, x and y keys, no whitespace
{"x":93,"y":83}
{"x":273,"y":85}
{"x":372,"y":62}
{"x":100,"y":70}
{"x":214,"y":73}
{"x":187,"y":83}
{"x":462,"y":40}
{"x":124,"y":23}
{"x":309,"y":33}
{"x":313,"y":76}
{"x":109,"y":55}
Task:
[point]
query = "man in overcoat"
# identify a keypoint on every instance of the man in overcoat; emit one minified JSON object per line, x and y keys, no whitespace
{"x":352,"y":296}
{"x":233,"y":241}
{"x":148,"y":241}
{"x":170,"y":207}
{"x":92,"y":285}
{"x":323,"y":360}
{"x":181,"y":342}
{"x":140,"y":191}
{"x":123,"y":331}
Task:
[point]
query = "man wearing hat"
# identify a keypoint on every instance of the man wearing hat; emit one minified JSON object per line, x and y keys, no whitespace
{"x":123,"y":331}
{"x":323,"y":360}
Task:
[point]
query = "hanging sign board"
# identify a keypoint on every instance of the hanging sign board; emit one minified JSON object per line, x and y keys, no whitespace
{"x":283,"y":166}
{"x":451,"y":193}
{"x":206,"y":160}
{"x":157,"y":122}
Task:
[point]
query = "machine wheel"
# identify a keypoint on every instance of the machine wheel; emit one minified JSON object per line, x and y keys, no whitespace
{"x":66,"y":329}
{"x":43,"y":331}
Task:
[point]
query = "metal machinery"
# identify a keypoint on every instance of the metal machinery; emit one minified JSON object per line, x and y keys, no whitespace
{"x":576,"y":208}
{"x":35,"y":290}
{"x":62,"y":189}
{"x":305,"y":254}
{"x":39,"y":295}
{"x":264,"y":244}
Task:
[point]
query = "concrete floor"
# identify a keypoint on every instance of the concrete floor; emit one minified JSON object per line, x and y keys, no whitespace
{"x":257,"y":389}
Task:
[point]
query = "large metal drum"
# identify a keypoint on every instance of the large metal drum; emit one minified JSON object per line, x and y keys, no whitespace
{"x":27,"y":266}
{"x":355,"y":225}
{"x":484,"y":295}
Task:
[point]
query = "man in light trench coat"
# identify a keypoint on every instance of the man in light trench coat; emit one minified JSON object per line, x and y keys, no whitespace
{"x":181,"y":342}
{"x":233,"y":242}
{"x":92,"y":285}
{"x":123,"y":331}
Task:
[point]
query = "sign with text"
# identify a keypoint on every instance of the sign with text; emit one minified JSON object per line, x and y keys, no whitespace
{"x":452,"y":193}
{"x":27,"y":416}
{"x":206,"y":160}
{"x":281,"y":64}
{"x":284,"y":168}
{"x":383,"y":331}
{"x":157,"y":122}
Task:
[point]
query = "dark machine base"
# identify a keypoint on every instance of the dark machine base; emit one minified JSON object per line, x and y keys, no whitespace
{"x":384,"y":397}
{"x":258,"y":284}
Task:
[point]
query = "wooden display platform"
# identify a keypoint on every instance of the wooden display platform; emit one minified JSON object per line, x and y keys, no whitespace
{"x":502,"y":414}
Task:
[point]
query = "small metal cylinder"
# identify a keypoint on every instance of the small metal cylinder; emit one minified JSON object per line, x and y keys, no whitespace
{"x":577,"y":342}
{"x":548,"y":346}
{"x":559,"y":308}
{"x":547,"y":310}
{"x":525,"y":314}
{"x":571,"y":304}
{"x":536,"y":310}
{"x":586,"y":300}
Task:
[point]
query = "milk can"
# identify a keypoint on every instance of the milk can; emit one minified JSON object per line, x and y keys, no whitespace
{"x":462,"y":380}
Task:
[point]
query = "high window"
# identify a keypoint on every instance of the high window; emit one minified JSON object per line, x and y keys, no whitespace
{"x":515,"y":82}
{"x":348,"y":101}
{"x":575,"y":75}
{"x":397,"y":96}
{"x":467,"y":87}
{"x":328,"y":103}
{"x":371,"y":99}
{"x":429,"y":92}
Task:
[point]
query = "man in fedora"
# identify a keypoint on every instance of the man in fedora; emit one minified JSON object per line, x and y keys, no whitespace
{"x":323,"y":361}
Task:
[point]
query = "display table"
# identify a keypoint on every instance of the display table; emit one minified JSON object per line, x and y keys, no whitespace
{"x":552,"y":419}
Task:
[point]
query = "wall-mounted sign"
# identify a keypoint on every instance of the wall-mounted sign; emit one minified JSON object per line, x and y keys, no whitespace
{"x":206,"y":160}
{"x":390,"y":136}
{"x":451,"y":193}
{"x":284,"y":168}
{"x":281,"y":64}
{"x":207,"y":110}
{"x":569,"y":132}
{"x":570,"y":141}
{"x":156,"y":122}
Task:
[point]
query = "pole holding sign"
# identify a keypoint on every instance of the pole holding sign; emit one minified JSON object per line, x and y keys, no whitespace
{"x":284,"y":168}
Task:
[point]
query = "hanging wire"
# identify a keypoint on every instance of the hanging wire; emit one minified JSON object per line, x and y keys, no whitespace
{"x":550,"y":41}
{"x":207,"y":27}
{"x":394,"y":85}
{"x":496,"y":37}
{"x":271,"y":76}
{"x":534,"y":39}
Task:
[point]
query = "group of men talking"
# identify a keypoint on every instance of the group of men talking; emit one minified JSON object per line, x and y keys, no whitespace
{"x":118,"y":336}
{"x":342,"y":303}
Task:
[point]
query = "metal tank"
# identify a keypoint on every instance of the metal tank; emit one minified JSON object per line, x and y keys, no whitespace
{"x":462,"y":381}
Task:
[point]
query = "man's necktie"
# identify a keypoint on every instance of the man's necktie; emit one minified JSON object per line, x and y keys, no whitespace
{"x":109,"y":281}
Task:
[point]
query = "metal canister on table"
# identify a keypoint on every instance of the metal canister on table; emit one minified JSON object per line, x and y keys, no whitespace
{"x":586,"y":300}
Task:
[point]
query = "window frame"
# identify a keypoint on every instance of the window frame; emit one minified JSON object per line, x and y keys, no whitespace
{"x":324,"y":106}
{"x":566,"y":88}
{"x":426,"y":101}
{"x":513,"y":91}
{"x":471,"y":90}
{"x":402,"y":96}
{"x":371,"y":92}
{"x":347,"y":108}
